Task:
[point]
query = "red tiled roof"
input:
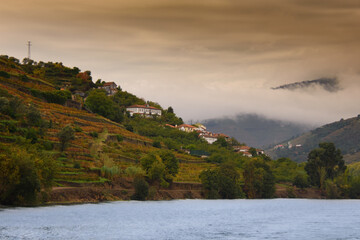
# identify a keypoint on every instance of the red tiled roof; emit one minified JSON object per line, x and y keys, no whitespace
{"x":108,"y":83}
{"x":142,"y":106}
{"x":223,"y":135}
{"x":208,"y":136}
{"x":186,"y":125}
{"x":244,"y":148}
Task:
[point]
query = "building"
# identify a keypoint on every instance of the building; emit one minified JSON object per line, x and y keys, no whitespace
{"x":144,"y":110}
{"x":210,"y":138}
{"x":246,"y":154}
{"x":241,"y":149}
{"x":110,"y":88}
{"x":200,"y":127}
{"x":187,"y":128}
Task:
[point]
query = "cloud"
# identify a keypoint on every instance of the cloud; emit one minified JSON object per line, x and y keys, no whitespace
{"x":206,"y":58}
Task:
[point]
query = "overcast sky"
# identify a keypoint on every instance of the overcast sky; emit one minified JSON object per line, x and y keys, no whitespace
{"x":205,"y":58}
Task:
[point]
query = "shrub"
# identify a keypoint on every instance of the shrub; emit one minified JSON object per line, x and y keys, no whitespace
{"x":134,"y":171}
{"x":156,"y":144}
{"x":77,"y":129}
{"x":4,"y":74}
{"x":141,"y":189}
{"x":77,"y":165}
{"x":129,"y":127}
{"x":94,"y":134}
{"x":48,"y":145}
{"x":301,"y":181}
{"x":119,"y":138}
{"x":24,"y":78}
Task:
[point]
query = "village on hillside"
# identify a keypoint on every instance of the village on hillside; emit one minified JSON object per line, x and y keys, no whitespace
{"x":148,"y":111}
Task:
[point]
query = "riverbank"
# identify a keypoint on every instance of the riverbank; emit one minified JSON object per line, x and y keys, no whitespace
{"x":123,"y":190}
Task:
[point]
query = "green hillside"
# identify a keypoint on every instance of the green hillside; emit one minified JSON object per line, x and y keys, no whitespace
{"x":50,"y":136}
{"x":345,"y":134}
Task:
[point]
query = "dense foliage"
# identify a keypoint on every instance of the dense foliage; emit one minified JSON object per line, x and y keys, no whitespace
{"x":24,"y":172}
{"x":160,"y":166}
{"x":325,"y":162}
{"x":222,"y":182}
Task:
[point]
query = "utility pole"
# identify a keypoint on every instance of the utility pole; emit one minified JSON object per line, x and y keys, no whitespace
{"x":29,"y":45}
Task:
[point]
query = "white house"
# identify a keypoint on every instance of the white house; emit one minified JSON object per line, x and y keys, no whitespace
{"x":209,"y":138}
{"x":187,"y":128}
{"x":145,"y":110}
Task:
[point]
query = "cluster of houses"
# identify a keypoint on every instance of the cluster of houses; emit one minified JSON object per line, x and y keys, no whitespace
{"x":201,"y":130}
{"x":213,"y":137}
{"x":245,"y":150}
{"x":289,"y":146}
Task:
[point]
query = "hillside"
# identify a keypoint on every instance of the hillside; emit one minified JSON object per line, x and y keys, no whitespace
{"x":33,"y":111}
{"x":256,"y":130}
{"x":345,"y":134}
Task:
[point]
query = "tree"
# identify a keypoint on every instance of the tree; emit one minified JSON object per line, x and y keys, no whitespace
{"x":65,"y":135}
{"x":99,"y":103}
{"x":222,"y":182}
{"x":325,"y":162}
{"x":160,"y":166}
{"x":229,"y":185}
{"x":170,"y":110}
{"x":253,"y":151}
{"x":221,"y":141}
{"x":301,"y":181}
{"x":33,"y":116}
{"x":259,"y":179}
{"x":210,"y":182}
{"x":23,"y":173}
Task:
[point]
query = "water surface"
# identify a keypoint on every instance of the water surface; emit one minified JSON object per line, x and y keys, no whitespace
{"x":187,"y":219}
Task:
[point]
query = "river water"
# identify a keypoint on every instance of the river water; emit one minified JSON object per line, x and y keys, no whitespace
{"x":187,"y":219}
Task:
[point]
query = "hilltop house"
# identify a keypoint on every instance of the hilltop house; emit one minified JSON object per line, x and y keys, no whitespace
{"x":110,"y":88}
{"x":144,"y":110}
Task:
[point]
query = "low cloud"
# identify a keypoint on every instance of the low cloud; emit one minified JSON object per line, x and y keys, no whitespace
{"x":206,"y":58}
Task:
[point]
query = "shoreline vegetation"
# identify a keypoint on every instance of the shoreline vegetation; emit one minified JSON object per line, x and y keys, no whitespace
{"x":100,"y":194}
{"x":65,"y":138}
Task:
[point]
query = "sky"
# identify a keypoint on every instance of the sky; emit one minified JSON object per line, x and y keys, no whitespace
{"x":205,"y":58}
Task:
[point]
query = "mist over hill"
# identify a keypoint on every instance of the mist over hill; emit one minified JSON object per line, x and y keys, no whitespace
{"x":256,"y":130}
{"x":328,"y":84}
{"x":345,"y":134}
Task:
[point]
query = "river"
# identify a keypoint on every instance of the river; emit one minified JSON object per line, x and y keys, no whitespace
{"x":187,"y":219}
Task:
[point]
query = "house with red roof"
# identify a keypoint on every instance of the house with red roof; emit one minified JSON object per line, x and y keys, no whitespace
{"x":110,"y":88}
{"x":144,"y":110}
{"x":187,"y":128}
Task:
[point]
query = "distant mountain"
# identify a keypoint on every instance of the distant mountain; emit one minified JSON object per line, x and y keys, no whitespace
{"x":255,"y":130}
{"x":328,"y":84}
{"x":345,"y":134}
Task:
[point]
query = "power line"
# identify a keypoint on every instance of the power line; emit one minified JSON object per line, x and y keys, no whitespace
{"x":29,"y":45}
